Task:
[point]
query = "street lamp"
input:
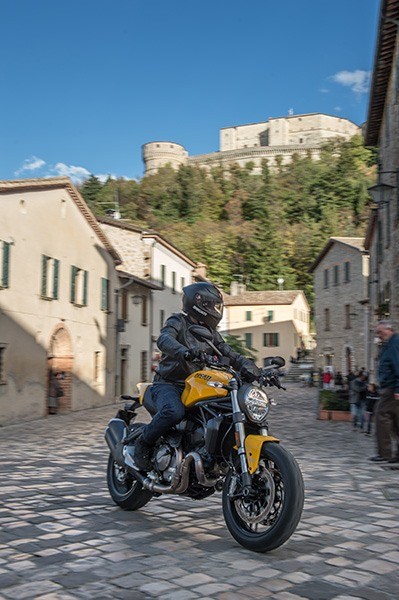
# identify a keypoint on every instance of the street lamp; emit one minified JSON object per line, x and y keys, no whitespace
{"x":280,"y":282}
{"x":380,"y":193}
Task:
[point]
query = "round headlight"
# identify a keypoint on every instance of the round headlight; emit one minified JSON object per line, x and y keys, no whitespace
{"x":257,"y":404}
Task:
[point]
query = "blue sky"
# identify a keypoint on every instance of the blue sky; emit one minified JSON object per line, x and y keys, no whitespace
{"x":86,"y":82}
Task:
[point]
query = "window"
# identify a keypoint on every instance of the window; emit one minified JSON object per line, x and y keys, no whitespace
{"x":125,"y":305}
{"x":270,"y":315}
{"x":144,"y":311}
{"x":347,"y":271}
{"x":348,"y":316}
{"x":325,"y":278}
{"x":388,"y":225}
{"x":183,"y":282}
{"x":163,"y":275}
{"x":79,"y":280}
{"x":49,"y":284}
{"x":105,"y":294}
{"x":248,"y":315}
{"x":336,"y":274}
{"x":271,"y":339}
{"x":5,"y":265}
{"x":327,"y":319}
{"x":173,"y":282}
{"x":144,"y":366}
{"x":248,"y":340}
{"x":2,"y":365}
{"x":161,"y":318}
{"x":124,"y":365}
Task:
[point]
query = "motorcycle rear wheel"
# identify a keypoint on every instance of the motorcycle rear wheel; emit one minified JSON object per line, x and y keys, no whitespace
{"x":125,"y":491}
{"x":265,"y":523}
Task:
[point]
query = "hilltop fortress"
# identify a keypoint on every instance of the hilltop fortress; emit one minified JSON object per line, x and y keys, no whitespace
{"x":281,"y":136}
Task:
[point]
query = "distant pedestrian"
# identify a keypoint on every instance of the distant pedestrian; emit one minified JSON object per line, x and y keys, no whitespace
{"x":338,"y":381}
{"x":327,"y":377}
{"x":372,"y":397}
{"x":387,"y":409}
{"x":55,"y":392}
{"x":358,"y":400}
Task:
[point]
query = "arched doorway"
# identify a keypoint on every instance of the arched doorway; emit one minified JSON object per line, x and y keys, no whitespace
{"x":60,"y":360}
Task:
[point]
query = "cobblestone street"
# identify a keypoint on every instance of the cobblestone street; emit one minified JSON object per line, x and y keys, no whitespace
{"x":62,"y":537}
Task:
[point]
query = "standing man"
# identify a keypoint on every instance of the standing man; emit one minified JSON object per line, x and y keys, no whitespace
{"x":387,"y":411}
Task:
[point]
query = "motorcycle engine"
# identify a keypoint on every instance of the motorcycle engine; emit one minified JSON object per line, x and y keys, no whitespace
{"x":165,"y":462}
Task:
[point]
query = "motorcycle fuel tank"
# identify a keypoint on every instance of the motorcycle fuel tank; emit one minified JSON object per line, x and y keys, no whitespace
{"x":204,"y":384}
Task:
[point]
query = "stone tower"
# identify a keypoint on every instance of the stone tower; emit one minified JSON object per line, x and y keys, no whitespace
{"x":159,"y":154}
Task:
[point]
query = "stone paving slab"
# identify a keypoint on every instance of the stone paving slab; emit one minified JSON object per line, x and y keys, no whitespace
{"x":62,"y":538}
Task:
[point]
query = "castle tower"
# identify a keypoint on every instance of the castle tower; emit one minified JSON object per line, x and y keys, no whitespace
{"x":159,"y":154}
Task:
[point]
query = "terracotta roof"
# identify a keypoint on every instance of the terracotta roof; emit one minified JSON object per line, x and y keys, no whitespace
{"x":139,"y":281}
{"x":28,"y":185}
{"x":384,"y":52}
{"x":146,"y":233}
{"x":357,"y":243}
{"x":267,"y":297}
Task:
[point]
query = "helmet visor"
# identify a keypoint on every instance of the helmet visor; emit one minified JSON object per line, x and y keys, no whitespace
{"x":213,"y":306}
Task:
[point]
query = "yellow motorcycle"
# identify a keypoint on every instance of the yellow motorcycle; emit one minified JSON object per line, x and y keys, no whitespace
{"x":222,"y":445}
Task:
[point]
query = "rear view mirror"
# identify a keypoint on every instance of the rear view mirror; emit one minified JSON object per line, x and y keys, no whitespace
{"x":278,"y":360}
{"x":274,"y":360}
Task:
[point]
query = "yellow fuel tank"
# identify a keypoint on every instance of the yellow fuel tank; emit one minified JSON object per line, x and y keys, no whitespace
{"x":205,"y":384}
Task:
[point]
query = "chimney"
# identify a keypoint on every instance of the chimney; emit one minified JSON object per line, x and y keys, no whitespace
{"x":237,"y":288}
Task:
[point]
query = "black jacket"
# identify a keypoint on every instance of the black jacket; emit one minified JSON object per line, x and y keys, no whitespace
{"x":175,"y":339}
{"x":388,"y":371}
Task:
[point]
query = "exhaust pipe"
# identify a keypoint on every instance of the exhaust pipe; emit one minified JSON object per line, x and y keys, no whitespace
{"x":115,"y":432}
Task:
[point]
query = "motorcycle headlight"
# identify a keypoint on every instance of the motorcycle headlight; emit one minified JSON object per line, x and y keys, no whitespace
{"x":256,"y":404}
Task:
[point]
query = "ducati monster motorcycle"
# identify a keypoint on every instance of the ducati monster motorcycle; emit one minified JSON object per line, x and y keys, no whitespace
{"x":222,"y":445}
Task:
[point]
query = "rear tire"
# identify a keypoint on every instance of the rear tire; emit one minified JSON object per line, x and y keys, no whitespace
{"x":269,"y":521}
{"x":125,"y":490}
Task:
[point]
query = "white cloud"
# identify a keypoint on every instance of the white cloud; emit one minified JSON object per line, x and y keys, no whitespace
{"x":337,"y":108}
{"x":31,"y":164}
{"x":358,"y":81}
{"x":77,"y":174}
{"x":324,"y":91}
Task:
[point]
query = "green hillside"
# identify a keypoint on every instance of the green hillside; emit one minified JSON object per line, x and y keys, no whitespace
{"x":259,"y":226}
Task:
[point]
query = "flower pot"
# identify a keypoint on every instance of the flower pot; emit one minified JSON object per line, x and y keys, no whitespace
{"x":341,"y":415}
{"x":324,"y":415}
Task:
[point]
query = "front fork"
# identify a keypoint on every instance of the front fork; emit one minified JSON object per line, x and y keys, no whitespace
{"x":238,"y":420}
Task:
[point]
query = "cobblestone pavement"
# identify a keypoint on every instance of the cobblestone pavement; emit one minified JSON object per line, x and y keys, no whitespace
{"x":62,"y":538}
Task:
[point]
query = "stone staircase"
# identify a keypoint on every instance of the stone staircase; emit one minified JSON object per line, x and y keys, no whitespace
{"x":295,"y":371}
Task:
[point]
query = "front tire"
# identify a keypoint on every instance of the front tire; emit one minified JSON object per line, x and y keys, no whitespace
{"x":264,"y":523}
{"x":125,"y":491}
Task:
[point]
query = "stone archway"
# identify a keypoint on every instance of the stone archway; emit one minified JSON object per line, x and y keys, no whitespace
{"x":60,"y":359}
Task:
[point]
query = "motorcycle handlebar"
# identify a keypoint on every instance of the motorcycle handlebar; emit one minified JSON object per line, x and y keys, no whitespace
{"x":269,"y":374}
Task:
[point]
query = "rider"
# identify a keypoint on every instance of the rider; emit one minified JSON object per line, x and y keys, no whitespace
{"x":202,"y":304}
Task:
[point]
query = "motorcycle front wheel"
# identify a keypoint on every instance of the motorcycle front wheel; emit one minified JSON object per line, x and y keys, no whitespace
{"x":267,"y":518}
{"x":125,"y":490}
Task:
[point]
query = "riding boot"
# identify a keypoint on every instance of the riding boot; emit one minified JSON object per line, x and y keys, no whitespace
{"x":142,"y":453}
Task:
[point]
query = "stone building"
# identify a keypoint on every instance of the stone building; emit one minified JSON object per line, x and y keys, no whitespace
{"x":57,"y":268}
{"x":269,"y":322}
{"x":148,"y":259}
{"x":341,"y":274}
{"x":272,"y":140}
{"x":382,"y":130}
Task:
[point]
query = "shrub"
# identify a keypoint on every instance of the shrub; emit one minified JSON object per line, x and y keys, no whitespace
{"x":331,"y":400}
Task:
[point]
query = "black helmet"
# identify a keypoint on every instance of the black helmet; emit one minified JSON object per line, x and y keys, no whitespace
{"x":204,"y":302}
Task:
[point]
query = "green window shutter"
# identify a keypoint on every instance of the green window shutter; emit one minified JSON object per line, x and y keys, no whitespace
{"x":265,"y":339}
{"x":74,"y":271}
{"x":44,"y":275}
{"x":276,"y":339}
{"x":6,"y":265}
{"x":55,"y":278}
{"x":104,"y":293}
{"x":85,"y":280}
{"x":248,"y":340}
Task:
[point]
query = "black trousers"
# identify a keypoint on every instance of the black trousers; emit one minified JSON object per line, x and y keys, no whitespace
{"x":167,"y":398}
{"x":387,"y":422}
